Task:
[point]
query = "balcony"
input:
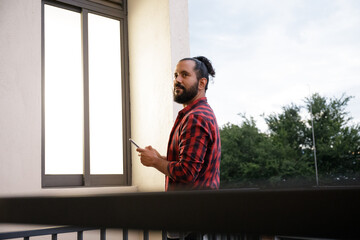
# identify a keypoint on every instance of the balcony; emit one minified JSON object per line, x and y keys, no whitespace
{"x":320,"y":212}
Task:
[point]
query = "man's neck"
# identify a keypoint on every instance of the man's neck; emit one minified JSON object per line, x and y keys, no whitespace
{"x":198,"y":96}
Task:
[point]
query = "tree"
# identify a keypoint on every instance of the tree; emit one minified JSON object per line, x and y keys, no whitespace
{"x":337,"y":141}
{"x":246,"y":155}
{"x":289,"y":134}
{"x":285,"y":154}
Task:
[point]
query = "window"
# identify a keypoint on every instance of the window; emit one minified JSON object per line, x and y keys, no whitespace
{"x":85,"y":113}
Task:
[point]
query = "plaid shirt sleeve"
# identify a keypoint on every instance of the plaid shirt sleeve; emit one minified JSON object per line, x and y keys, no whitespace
{"x":193,"y":141}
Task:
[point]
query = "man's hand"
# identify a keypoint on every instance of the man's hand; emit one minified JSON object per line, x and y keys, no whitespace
{"x":150,"y":157}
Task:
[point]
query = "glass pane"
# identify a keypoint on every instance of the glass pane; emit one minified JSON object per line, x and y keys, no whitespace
{"x":63,"y":92}
{"x":106,"y":152}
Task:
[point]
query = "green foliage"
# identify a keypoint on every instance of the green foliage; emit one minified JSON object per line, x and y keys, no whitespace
{"x":337,"y":143}
{"x":285,"y":155}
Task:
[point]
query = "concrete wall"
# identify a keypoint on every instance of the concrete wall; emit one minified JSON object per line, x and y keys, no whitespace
{"x":20,"y":96}
{"x":158,"y":38}
{"x":20,"y":103}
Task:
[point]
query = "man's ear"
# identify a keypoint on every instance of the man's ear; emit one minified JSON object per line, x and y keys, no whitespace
{"x":202,"y":83}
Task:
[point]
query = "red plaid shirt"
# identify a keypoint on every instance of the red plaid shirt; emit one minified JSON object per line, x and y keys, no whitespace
{"x":194,"y":149}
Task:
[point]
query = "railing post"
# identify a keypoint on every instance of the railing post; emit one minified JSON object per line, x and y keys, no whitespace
{"x":54,"y":236}
{"x":125,"y":234}
{"x":80,"y":235}
{"x":103,"y":234}
{"x":146,"y":234}
{"x":164,"y":235}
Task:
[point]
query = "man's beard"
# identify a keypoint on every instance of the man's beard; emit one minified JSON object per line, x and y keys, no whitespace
{"x":187,"y":94}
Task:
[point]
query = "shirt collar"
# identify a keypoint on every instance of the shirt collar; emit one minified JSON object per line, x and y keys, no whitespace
{"x":192,"y":105}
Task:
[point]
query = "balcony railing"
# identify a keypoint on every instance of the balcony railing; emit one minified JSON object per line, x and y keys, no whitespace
{"x":55,"y":231}
{"x":315,"y":213}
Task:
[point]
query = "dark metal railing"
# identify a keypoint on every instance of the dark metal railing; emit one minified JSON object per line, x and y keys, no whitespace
{"x":55,"y":231}
{"x":318,"y":212}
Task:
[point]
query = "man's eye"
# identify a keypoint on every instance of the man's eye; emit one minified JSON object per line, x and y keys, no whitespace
{"x":184,"y":75}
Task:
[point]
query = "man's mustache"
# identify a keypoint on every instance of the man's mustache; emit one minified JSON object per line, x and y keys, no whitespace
{"x":179,"y":86}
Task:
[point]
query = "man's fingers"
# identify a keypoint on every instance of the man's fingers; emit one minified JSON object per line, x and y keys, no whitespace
{"x":140,"y":149}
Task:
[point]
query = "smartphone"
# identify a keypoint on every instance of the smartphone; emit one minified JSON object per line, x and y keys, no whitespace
{"x":132,"y":141}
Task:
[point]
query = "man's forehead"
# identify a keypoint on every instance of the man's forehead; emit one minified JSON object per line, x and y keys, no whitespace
{"x":185,"y":65}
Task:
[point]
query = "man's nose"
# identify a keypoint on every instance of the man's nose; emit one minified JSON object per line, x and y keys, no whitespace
{"x":177,"y":79}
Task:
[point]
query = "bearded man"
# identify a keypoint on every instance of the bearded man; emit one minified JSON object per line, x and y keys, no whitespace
{"x":194,"y":149}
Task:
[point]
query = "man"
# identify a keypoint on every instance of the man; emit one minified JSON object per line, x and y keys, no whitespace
{"x":193,"y":154}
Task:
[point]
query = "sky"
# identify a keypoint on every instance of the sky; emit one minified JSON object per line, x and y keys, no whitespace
{"x":270,"y":53}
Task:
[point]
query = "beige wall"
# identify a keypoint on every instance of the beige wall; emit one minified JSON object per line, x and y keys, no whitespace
{"x":20,"y":75}
{"x":158,"y":38}
{"x":20,"y":103}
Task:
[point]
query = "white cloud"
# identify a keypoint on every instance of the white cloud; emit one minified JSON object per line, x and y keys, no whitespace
{"x":268,"y":54}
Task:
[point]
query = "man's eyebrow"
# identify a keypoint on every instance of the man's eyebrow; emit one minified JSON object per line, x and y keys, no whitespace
{"x":181,"y":72}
